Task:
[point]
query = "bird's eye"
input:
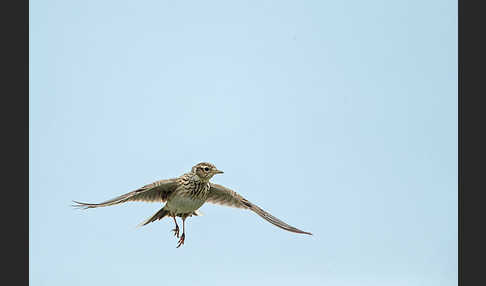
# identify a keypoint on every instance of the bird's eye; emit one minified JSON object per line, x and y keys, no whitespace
{"x":206,"y":169}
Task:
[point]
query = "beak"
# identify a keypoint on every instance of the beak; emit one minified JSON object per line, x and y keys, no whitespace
{"x":218,"y":171}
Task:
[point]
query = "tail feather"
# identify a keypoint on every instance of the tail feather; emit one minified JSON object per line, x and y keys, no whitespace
{"x":157,"y":216}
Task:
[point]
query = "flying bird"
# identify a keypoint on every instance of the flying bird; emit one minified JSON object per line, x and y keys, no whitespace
{"x":183,"y":196}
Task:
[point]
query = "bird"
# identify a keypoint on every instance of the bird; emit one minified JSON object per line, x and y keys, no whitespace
{"x":184,"y":195}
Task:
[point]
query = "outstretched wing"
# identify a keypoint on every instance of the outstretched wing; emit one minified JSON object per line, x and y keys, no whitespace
{"x":223,"y":196}
{"x":155,"y":192}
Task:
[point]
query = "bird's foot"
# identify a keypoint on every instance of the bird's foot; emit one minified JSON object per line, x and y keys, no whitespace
{"x":181,"y":240}
{"x":176,"y":231}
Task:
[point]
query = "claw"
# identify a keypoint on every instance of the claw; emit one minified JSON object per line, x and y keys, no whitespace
{"x":181,"y":240}
{"x":176,"y":231}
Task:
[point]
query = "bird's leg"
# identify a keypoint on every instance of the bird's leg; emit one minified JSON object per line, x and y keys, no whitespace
{"x":176,"y":229}
{"x":183,"y":236}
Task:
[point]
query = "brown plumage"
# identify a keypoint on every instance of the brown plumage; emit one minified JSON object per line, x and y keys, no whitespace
{"x":186,"y":194}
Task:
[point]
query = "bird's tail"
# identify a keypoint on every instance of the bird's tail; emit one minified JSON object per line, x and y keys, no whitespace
{"x":157,"y":216}
{"x":163,"y":213}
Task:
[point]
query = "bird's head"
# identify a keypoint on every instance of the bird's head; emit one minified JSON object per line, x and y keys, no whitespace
{"x":205,"y":171}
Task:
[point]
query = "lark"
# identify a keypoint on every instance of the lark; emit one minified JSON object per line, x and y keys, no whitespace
{"x":183,"y":196}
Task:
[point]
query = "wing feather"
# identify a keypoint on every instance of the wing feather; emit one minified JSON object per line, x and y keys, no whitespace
{"x":155,"y":192}
{"x":224,"y":196}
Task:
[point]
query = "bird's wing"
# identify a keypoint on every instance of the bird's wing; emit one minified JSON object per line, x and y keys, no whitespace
{"x":155,"y":192}
{"x":223,"y":196}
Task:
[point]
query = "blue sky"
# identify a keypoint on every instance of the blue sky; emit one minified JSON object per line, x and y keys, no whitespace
{"x":338,"y":117}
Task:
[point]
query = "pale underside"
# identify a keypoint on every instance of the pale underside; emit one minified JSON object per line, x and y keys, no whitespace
{"x":180,"y":205}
